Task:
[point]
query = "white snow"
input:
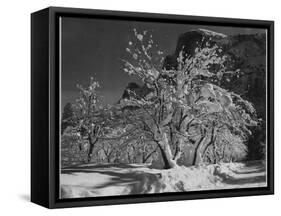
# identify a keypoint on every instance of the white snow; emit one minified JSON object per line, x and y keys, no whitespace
{"x":108,"y":180}
{"x":212,"y":33}
{"x":140,"y":37}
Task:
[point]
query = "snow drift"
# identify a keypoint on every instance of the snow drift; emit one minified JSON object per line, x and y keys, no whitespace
{"x":109,"y":180}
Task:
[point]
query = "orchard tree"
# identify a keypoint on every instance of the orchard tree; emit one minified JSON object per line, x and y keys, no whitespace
{"x":71,"y":143}
{"x":227,"y":147}
{"x":108,"y":149}
{"x":90,"y":117}
{"x":185,"y":106}
{"x":140,"y":150}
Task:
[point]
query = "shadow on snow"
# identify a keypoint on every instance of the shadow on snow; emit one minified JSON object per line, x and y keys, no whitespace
{"x":140,"y":179}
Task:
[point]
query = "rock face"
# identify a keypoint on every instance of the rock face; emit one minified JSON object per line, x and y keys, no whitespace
{"x":133,"y":88}
{"x":189,"y":41}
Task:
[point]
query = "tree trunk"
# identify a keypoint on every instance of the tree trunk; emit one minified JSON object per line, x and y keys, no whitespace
{"x":198,"y":157}
{"x":166,"y":153}
{"x":178,"y":150}
{"x":211,"y":142}
{"x":201,"y":148}
{"x":92,"y":145}
{"x":196,"y":152}
{"x":128,"y":157}
{"x":90,"y":152}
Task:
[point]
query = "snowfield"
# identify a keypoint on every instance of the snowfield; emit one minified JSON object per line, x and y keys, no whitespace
{"x":93,"y":180}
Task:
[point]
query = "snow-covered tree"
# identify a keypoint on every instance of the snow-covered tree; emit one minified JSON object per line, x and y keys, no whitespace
{"x":183,"y":100}
{"x":72,"y":147}
{"x":89,"y":118}
{"x":140,"y":150}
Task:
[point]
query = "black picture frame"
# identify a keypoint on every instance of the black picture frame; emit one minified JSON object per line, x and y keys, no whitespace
{"x":45,"y":103}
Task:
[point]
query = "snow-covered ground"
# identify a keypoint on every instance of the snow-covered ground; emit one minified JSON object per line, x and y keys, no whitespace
{"x":110,"y":179}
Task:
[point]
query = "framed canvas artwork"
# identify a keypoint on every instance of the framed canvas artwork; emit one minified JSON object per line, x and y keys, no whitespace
{"x":138,"y":107}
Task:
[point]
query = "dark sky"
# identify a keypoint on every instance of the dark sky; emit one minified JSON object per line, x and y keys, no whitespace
{"x":95,"y":47}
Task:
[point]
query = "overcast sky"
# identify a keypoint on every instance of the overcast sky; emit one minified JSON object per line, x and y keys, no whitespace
{"x":95,"y":47}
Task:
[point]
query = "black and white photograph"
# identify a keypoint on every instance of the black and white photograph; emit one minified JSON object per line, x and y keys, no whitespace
{"x":151,"y":107}
{"x":140,"y":108}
